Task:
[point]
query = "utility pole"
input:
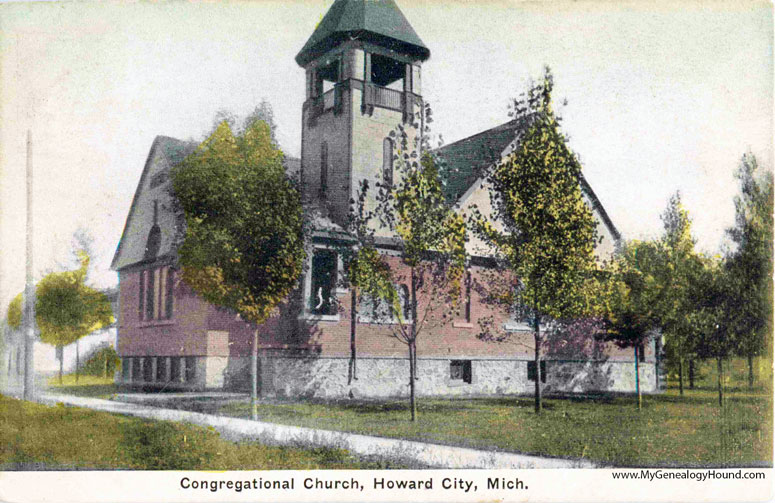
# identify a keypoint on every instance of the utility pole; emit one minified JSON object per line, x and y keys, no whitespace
{"x":29,"y":289}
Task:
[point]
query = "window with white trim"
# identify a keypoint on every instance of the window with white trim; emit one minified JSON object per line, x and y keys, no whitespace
{"x":322,"y":300}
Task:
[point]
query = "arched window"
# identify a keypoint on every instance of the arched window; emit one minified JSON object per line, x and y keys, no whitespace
{"x":387,"y":161}
{"x":323,"y":170}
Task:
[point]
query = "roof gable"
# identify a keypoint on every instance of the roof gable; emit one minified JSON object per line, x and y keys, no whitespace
{"x":380,"y":21}
{"x":466,"y":161}
{"x":165,"y":153}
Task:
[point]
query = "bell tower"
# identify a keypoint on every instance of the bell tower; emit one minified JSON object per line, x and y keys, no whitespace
{"x":362,"y":65}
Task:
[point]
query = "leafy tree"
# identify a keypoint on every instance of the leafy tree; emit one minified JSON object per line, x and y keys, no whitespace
{"x":366,"y":273}
{"x":241,"y":241}
{"x":262,"y":112}
{"x":541,"y":230}
{"x":751,"y":264}
{"x":678,"y":264}
{"x":430,"y":238}
{"x":66,"y":309}
{"x":102,"y":360}
{"x":712,"y":316}
{"x":633,"y":290}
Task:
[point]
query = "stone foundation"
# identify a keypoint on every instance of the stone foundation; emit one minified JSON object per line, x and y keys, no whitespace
{"x":316,"y":377}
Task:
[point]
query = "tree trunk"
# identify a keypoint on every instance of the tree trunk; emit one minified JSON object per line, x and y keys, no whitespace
{"x":637,"y":377}
{"x":105,"y":367}
{"x":720,"y":382}
{"x":413,"y":403}
{"x":77,"y":361}
{"x":537,"y":336}
{"x":750,"y":371}
{"x":254,"y":378}
{"x":413,"y":348}
{"x":691,"y":373}
{"x":61,"y":351}
{"x":681,"y":376}
{"x":353,"y":322}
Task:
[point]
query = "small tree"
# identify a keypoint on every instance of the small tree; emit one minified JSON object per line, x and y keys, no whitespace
{"x":366,"y":274}
{"x":714,"y":306}
{"x":241,"y":242}
{"x":431,"y":246}
{"x":66,"y":309}
{"x":677,"y":267}
{"x":541,"y":230}
{"x":630,"y":317}
{"x":751,"y":264}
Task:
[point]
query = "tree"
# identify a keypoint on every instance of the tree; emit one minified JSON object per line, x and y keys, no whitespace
{"x":262,"y":112}
{"x":712,"y":317}
{"x":751,"y":264}
{"x":677,"y":267}
{"x":241,"y":239}
{"x":630,"y":318}
{"x":541,"y":230}
{"x":66,"y":309}
{"x":431,"y":246}
{"x":366,"y":274}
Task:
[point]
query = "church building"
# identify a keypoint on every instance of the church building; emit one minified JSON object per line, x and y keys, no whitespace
{"x":363,"y":67}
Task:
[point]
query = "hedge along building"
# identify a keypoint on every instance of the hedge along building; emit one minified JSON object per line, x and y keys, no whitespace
{"x":363,"y":74}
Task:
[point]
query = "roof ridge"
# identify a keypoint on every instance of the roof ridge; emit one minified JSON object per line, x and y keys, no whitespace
{"x":477,"y":135}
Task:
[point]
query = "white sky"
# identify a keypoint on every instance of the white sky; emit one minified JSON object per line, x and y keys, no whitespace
{"x":661,"y":97}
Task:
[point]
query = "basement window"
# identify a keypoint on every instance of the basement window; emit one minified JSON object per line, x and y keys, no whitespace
{"x":190,"y":373}
{"x":125,"y":363}
{"x":531,"y":371}
{"x":136,"y":366}
{"x":460,"y":370}
{"x":175,"y":368}
{"x":161,"y":369}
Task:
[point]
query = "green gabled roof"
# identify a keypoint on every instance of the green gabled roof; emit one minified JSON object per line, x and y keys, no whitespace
{"x":465,"y":160}
{"x":377,"y":21}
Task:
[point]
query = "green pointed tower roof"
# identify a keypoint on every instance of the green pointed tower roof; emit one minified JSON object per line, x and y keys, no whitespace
{"x":377,"y":21}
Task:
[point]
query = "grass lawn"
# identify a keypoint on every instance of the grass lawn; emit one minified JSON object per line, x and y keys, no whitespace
{"x":91,"y":386}
{"x":670,"y":430}
{"x":34,"y":436}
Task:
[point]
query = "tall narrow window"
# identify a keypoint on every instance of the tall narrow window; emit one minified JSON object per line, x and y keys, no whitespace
{"x":141,"y":306}
{"x":324,"y":269}
{"x":149,"y":294}
{"x":387,"y":161}
{"x":162,"y":287}
{"x":170,"y":288}
{"x":468,"y":296}
{"x":323,"y":171}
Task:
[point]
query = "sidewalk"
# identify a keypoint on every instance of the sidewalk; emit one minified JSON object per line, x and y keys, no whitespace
{"x":424,"y":454}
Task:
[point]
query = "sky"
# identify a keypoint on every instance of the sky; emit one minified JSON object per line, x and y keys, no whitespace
{"x":661,"y":96}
